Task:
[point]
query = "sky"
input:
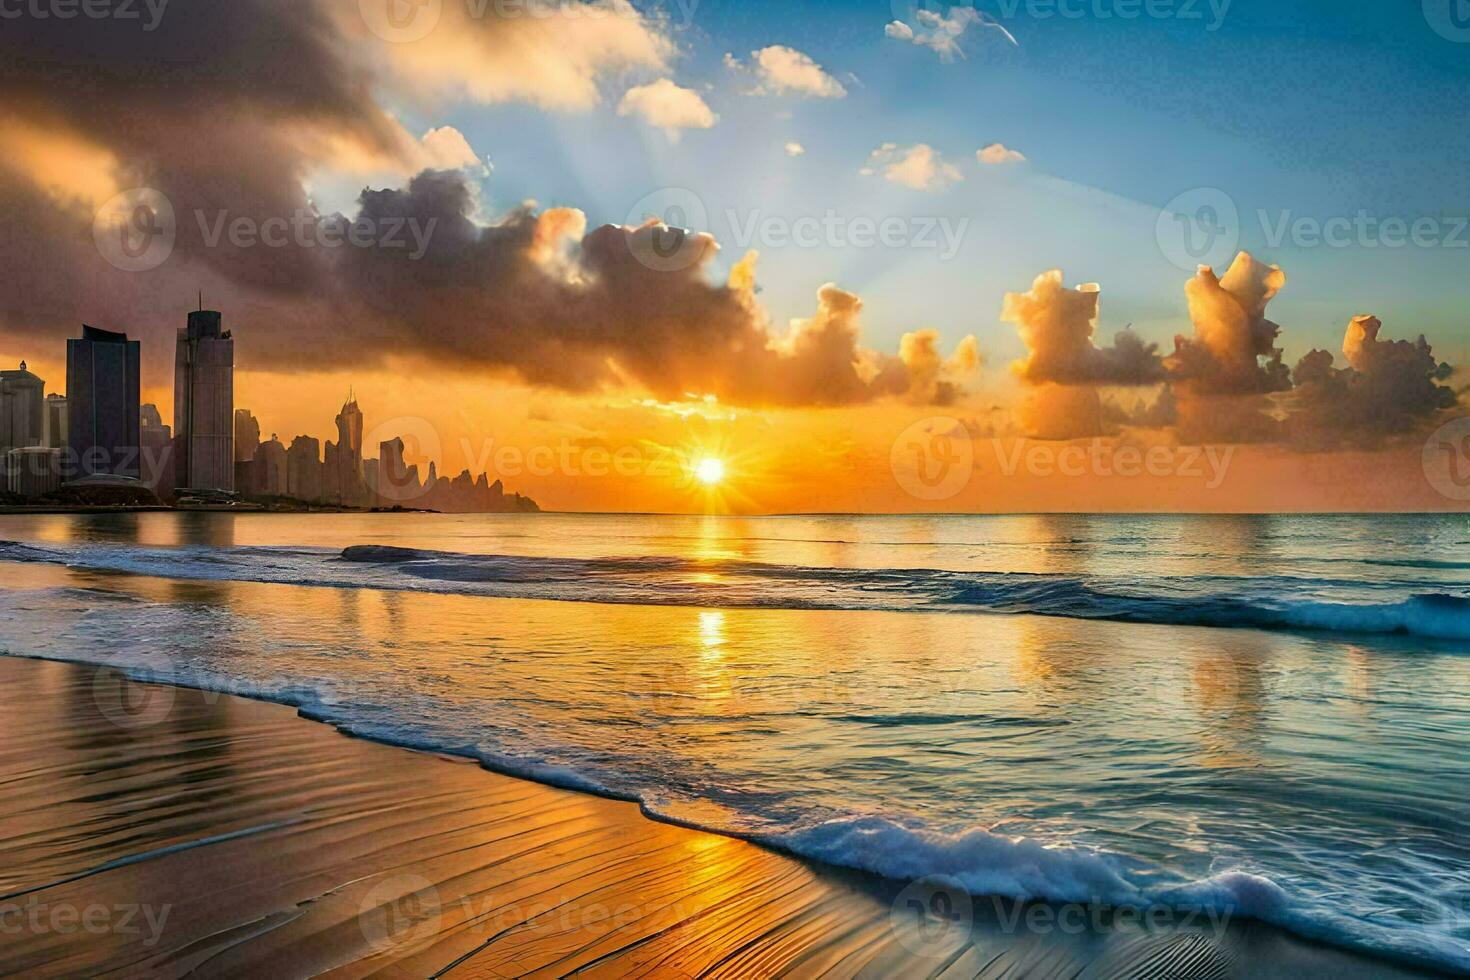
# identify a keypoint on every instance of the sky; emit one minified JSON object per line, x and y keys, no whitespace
{"x":875,"y":194}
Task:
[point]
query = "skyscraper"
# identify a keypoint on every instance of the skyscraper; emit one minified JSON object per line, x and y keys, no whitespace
{"x":22,"y":409}
{"x":156,"y":444}
{"x":55,"y":422}
{"x":346,"y":462}
{"x":247,"y":435}
{"x":304,"y":469}
{"x":204,"y":404}
{"x":102,"y":403}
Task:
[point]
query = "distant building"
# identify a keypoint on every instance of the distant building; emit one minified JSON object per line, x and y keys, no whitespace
{"x":347,"y":476}
{"x":33,"y":472}
{"x":102,"y":405}
{"x":156,"y":444}
{"x":247,"y":435}
{"x":271,"y":469}
{"x":22,"y":409}
{"x":204,"y":404}
{"x":397,"y":483}
{"x":55,"y":425}
{"x":304,"y":469}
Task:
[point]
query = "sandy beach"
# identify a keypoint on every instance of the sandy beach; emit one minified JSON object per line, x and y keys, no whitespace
{"x":163,"y":831}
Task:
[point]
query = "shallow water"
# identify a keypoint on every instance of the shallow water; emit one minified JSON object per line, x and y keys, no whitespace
{"x":907,"y":695}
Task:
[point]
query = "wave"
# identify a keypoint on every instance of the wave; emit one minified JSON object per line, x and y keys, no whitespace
{"x":979,"y":862}
{"x":1418,"y":609}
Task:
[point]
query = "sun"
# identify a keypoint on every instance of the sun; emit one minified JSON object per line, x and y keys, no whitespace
{"x":710,"y":471}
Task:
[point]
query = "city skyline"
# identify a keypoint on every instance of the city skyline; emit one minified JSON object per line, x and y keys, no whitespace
{"x":199,"y":455}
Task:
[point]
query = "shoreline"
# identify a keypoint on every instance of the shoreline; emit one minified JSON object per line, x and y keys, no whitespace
{"x":343,"y":854}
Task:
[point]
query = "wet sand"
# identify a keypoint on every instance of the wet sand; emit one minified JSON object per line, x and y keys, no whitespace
{"x":156,"y":831}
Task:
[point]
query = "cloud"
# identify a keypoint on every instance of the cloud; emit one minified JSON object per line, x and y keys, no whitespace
{"x":942,"y":34}
{"x":666,"y":106}
{"x":930,"y":377}
{"x":1226,"y":382}
{"x":1222,"y":374}
{"x":919,"y":167}
{"x":998,"y":153}
{"x":1056,"y":325}
{"x":1233,"y":350}
{"x":1389,"y":388}
{"x":446,"y":148}
{"x":556,"y":60}
{"x":439,"y":288}
{"x":795,"y":149}
{"x":780,"y":70}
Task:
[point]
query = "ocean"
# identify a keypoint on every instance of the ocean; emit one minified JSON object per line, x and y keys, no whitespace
{"x":1266,"y":716}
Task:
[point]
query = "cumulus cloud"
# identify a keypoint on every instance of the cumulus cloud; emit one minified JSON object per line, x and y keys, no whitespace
{"x":1226,"y":382}
{"x":795,"y":149}
{"x":997,"y":154}
{"x":919,"y":167}
{"x":929,"y":376}
{"x":941,"y":33}
{"x":536,"y":293}
{"x":1222,"y":374}
{"x":533,"y":293}
{"x":446,"y":148}
{"x":557,"y":59}
{"x":1389,"y":388}
{"x":1057,"y":323}
{"x":666,"y":106}
{"x":779,"y":70}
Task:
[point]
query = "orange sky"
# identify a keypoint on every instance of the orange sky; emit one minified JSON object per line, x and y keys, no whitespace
{"x":623,"y":452}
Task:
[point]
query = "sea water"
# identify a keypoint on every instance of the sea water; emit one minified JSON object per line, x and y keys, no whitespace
{"x":1262,"y":716}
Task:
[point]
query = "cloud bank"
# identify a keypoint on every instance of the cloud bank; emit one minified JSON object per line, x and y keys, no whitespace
{"x":1226,"y":381}
{"x":228,"y":109}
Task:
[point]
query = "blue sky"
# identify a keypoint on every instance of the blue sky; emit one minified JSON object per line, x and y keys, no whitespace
{"x":1303,"y":109}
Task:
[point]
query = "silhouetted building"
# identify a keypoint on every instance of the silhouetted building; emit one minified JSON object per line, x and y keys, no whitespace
{"x":397,"y":482}
{"x":102,"y":405}
{"x":33,"y":472}
{"x":304,"y":469}
{"x":22,"y":409}
{"x":271,"y":468}
{"x":156,"y":443}
{"x":204,"y":404}
{"x":55,"y":425}
{"x":345,"y":479}
{"x":247,"y":435}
